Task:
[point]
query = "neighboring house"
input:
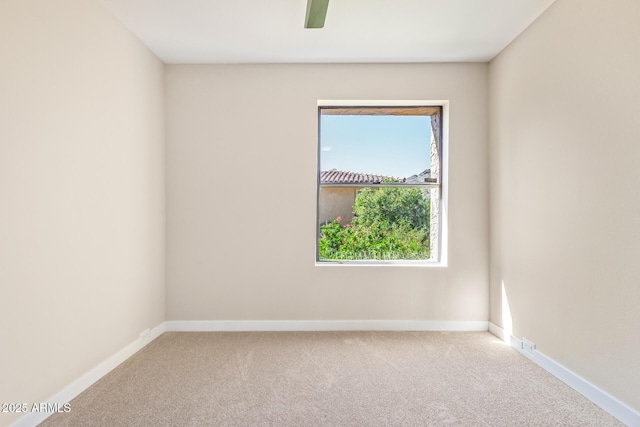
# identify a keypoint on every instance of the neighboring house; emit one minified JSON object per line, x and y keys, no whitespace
{"x":421,"y":178}
{"x":338,"y":191}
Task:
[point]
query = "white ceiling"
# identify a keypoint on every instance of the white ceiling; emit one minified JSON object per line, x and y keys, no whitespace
{"x":232,"y":31}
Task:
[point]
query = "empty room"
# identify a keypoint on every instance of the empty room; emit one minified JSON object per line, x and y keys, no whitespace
{"x":319,"y":212}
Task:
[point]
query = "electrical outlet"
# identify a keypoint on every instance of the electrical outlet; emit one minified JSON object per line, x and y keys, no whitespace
{"x":144,"y":335}
{"x":528,"y":345}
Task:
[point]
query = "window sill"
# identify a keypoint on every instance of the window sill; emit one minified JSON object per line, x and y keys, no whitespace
{"x":377,"y":263}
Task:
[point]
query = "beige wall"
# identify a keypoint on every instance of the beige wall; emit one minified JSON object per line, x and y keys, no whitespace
{"x":565,"y":211}
{"x":235,"y":251}
{"x":81,"y":194}
{"x":336,"y":202}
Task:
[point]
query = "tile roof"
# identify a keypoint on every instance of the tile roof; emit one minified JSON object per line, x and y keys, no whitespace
{"x":341,"y":177}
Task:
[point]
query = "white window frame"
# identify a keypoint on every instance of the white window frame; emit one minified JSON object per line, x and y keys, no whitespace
{"x":443,"y":235}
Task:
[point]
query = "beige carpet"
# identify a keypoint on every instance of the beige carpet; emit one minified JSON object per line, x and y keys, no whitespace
{"x":330,"y":379}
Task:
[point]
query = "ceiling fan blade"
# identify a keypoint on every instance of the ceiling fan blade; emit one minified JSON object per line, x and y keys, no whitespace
{"x":316,"y":13}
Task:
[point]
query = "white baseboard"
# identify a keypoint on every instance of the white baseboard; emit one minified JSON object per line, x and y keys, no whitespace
{"x":496,"y":330}
{"x":322,"y":325}
{"x":618,"y":409}
{"x":85,"y":381}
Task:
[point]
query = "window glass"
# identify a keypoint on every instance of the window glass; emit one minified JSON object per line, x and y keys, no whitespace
{"x":378,"y":183}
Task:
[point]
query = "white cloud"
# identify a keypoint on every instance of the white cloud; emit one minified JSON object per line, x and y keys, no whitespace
{"x":327,"y":148}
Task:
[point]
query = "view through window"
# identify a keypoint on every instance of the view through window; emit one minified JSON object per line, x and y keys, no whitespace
{"x":379,"y":182}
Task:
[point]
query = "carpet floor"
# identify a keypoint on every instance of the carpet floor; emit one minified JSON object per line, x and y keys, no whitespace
{"x":329,"y":379}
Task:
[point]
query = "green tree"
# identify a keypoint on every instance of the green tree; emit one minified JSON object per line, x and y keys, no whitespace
{"x":394,"y":205}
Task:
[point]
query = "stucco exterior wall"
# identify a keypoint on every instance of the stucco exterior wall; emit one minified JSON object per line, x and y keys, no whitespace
{"x":336,"y":202}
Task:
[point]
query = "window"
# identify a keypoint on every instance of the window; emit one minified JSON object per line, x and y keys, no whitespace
{"x":380,"y":183}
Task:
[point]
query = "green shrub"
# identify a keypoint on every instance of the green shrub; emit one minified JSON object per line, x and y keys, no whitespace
{"x":391,"y":223}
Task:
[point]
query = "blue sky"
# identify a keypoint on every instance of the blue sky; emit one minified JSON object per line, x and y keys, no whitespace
{"x":395,"y":146}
